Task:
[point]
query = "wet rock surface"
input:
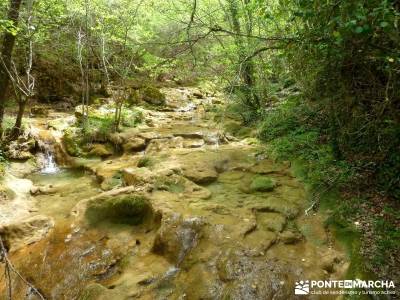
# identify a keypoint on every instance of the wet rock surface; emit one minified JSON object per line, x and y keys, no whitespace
{"x":255,"y":278}
{"x":205,"y":217}
{"x":25,"y":232}
{"x":177,"y":236}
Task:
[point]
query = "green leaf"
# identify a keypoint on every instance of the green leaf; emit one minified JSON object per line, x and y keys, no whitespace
{"x":359,"y":29}
{"x":384,"y":24}
{"x":336,"y":34}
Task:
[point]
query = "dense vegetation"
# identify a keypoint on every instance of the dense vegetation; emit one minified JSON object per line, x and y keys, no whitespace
{"x":318,"y":80}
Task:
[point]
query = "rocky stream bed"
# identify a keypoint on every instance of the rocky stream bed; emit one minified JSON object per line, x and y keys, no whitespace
{"x":182,"y":211}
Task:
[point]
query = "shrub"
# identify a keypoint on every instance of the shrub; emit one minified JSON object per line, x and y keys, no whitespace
{"x":349,"y":72}
{"x":98,"y":128}
{"x":293,"y":131}
{"x":145,"y":161}
{"x":131,"y":118}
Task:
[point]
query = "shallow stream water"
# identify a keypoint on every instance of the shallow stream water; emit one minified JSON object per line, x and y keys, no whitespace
{"x":219,"y":240}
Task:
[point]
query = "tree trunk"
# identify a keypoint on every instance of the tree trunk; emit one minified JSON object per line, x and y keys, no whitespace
{"x":6,"y":52}
{"x":246,"y":66}
{"x":16,"y":131}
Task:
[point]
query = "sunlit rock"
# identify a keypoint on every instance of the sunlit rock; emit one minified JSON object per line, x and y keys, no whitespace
{"x":177,"y":236}
{"x":27,"y":231}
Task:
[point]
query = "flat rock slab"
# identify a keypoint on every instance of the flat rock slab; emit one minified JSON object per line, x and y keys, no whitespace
{"x":278,"y":205}
{"x":201,"y":175}
{"x":137,"y":176}
{"x":271,"y":221}
{"x":28,"y":231}
{"x":193,"y":143}
{"x":268,"y":167}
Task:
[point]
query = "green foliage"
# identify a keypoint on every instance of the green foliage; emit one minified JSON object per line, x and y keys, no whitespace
{"x":131,"y":118}
{"x":97,"y":128}
{"x":152,"y":95}
{"x":71,"y":144}
{"x":262,"y":184}
{"x":145,"y":161}
{"x":8,"y":26}
{"x":388,"y":175}
{"x":346,"y":62}
{"x":112,"y":182}
{"x":381,"y":247}
{"x":290,"y":133}
{"x":387,"y":234}
{"x":3,"y":162}
{"x":128,"y":209}
{"x":8,"y":122}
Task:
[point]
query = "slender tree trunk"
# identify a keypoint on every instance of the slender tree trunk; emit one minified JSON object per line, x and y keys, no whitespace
{"x":246,"y":66}
{"x":87,"y":83}
{"x":16,"y":131}
{"x":6,"y":52}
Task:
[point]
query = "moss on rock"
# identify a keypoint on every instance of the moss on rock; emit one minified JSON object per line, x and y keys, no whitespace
{"x":145,"y":161}
{"x":93,"y":291}
{"x":71,"y":145}
{"x":232,"y":127}
{"x":100,"y":150}
{"x":262,"y":184}
{"x":126,"y":209}
{"x":152,"y":95}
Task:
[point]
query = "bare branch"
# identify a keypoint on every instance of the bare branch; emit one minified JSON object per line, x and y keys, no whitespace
{"x":9,"y":267}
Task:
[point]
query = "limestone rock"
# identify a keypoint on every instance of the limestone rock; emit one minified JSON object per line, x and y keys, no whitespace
{"x":100,"y":150}
{"x":152,"y":95}
{"x":21,"y":149}
{"x":193,"y":143}
{"x":254,"y":278}
{"x":329,"y":260}
{"x":198,"y":95}
{"x":190,"y":134}
{"x":271,"y":221}
{"x":262,"y":184}
{"x":157,"y":145}
{"x":39,"y":111}
{"x":126,"y":208}
{"x":201,"y":174}
{"x":274,"y":204}
{"x":137,"y":176}
{"x":151,"y":135}
{"x":177,"y":236}
{"x":26,"y":232}
{"x":134,"y":144}
{"x":78,"y":111}
{"x":265,"y":167}
{"x":290,"y":237}
{"x":19,"y":154}
{"x":43,"y":190}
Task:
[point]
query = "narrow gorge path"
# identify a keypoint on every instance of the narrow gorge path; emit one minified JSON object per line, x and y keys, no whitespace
{"x":181,"y":211}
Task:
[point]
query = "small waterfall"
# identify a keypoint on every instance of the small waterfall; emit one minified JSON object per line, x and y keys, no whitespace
{"x":47,"y":159}
{"x":49,"y":163}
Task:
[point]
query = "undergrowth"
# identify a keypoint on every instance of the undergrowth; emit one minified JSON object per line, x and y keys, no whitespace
{"x":290,"y":134}
{"x":293,"y":132}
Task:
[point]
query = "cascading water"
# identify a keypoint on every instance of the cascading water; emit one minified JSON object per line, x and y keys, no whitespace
{"x":48,"y":161}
